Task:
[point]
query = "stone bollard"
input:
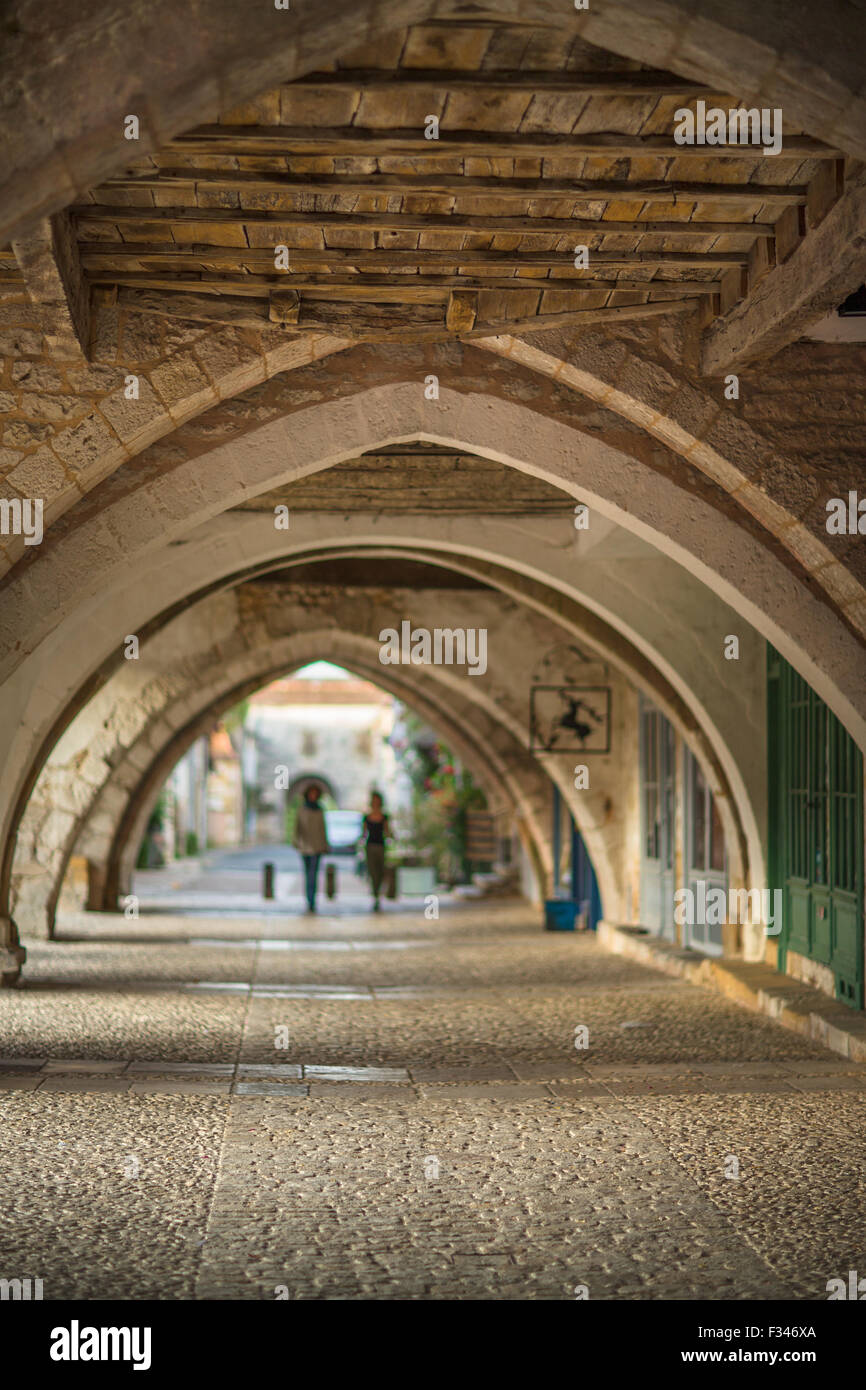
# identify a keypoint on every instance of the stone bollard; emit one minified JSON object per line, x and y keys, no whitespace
{"x":267,"y":880}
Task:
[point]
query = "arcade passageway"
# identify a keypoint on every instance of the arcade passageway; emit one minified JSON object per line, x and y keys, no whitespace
{"x":431,"y":1130}
{"x":329,"y":323}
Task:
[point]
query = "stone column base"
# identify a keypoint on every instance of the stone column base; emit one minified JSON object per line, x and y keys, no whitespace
{"x":12,"y":953}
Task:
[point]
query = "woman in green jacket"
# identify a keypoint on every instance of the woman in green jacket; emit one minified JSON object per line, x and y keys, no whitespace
{"x":311,"y":840}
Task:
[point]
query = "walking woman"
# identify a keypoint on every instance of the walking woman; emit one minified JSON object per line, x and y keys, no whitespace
{"x":377,"y":829}
{"x":311,"y":839}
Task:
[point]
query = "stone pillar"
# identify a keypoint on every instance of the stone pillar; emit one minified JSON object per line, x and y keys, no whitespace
{"x":12,"y":953}
{"x":96,"y":886}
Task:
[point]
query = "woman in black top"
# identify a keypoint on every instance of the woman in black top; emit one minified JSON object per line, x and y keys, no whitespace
{"x":376,"y":828}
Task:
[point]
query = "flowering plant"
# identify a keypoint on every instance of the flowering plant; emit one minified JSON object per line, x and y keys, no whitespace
{"x":442,"y":793}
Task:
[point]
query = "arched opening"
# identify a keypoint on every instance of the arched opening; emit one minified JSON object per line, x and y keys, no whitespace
{"x":595,"y":824}
{"x":108,"y":838}
{"x":521,"y":565}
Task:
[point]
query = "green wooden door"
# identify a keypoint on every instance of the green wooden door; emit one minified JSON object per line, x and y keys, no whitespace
{"x":816,"y":829}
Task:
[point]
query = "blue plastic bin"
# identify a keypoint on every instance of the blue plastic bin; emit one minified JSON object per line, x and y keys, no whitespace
{"x":560,"y":914}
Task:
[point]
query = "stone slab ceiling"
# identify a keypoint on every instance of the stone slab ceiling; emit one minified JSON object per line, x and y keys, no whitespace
{"x":544,"y":144}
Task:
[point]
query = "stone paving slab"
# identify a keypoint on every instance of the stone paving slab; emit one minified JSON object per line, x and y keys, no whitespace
{"x":306,"y":946}
{"x":353,"y":1092}
{"x":330,"y":1073}
{"x":687,"y":1085}
{"x":174,"y":1079}
{"x":84,"y":1084}
{"x":289,"y":1071}
{"x":545,"y":1071}
{"x":210,"y":986}
{"x":190,"y":1088}
{"x":428,"y":943}
{"x":323,"y":992}
{"x":829,"y":1065}
{"x":269,"y":1088}
{"x":491,"y":1072}
{"x":773,"y":1069}
{"x":89,"y":1067}
{"x":828,"y":1083}
{"x":221,"y":943}
{"x":181,"y":1068}
{"x":578,"y":1090}
{"x":493,"y":1090}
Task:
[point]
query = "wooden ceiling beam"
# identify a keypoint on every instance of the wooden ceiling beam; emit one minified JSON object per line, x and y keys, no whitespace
{"x":201,"y":308}
{"x":370,"y":221}
{"x":431,"y":222}
{"x":388,"y":285}
{"x":483,"y":18}
{"x":541,"y":82}
{"x":363,"y":322}
{"x":420,"y":256}
{"x":49,"y":264}
{"x":537,"y":323}
{"x":357,"y":140}
{"x":455,"y":186}
{"x":462,"y":310}
{"x":828,"y":264}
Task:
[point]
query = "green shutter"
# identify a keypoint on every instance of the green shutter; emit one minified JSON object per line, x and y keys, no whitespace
{"x":816,"y":829}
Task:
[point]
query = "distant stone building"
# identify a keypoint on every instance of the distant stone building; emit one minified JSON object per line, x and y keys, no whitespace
{"x":225,"y":791}
{"x":322,"y":725}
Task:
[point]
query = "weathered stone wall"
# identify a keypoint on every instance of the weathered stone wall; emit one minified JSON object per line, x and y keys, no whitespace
{"x":68,"y":424}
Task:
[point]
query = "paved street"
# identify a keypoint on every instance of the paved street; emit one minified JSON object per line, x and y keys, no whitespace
{"x":351,"y":1106}
{"x":231,"y":880}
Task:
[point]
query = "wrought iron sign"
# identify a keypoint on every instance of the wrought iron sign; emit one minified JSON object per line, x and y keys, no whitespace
{"x":569,"y":703}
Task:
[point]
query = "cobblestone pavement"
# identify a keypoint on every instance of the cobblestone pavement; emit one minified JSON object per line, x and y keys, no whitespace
{"x":357,"y":1106}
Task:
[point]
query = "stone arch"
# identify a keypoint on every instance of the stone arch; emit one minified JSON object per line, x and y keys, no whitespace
{"x":108,"y":825}
{"x":177,"y":383}
{"x":735,"y":797}
{"x":748,"y":577}
{"x":653,"y":390}
{"x":298,"y":785}
{"x":681,"y":693}
{"x":233,"y":52}
{"x":692,"y":420}
{"x":514,"y":779}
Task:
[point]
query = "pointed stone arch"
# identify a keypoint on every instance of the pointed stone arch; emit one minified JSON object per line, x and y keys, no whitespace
{"x":110,"y":821}
{"x":85,"y":572}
